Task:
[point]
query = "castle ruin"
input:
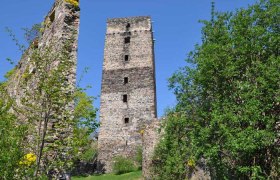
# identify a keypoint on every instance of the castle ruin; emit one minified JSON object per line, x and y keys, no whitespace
{"x":57,"y":36}
{"x":128,"y":95}
{"x":59,"y":26}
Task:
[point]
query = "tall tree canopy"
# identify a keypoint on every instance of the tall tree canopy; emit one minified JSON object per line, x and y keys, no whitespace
{"x":228,"y":99}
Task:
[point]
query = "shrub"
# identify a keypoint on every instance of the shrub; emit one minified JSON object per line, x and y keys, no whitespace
{"x":11,"y":139}
{"x":139,"y":157}
{"x":229,"y":95}
{"x":171,"y":154}
{"x":89,"y":153}
{"x":123,"y":165}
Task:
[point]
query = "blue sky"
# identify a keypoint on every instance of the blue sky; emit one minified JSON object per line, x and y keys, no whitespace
{"x":176,"y":30}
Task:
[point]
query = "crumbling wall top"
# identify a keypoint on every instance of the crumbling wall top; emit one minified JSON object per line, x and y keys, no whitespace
{"x":137,"y":23}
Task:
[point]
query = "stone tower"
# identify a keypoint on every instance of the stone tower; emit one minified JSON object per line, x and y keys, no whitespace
{"x":128,"y":95}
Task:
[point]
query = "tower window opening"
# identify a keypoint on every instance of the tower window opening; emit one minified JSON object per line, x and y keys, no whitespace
{"x":127,"y":40}
{"x":125,"y":80}
{"x":126,"y":57}
{"x":126,"y":120}
{"x":125,"y":98}
{"x":126,"y":142}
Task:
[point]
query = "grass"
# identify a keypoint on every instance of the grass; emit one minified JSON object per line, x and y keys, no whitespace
{"x":137,"y":175}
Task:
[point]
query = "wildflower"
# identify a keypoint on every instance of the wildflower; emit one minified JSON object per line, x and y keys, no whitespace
{"x":28,"y":159}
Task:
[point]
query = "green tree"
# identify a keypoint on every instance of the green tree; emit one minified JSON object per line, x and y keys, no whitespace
{"x":59,"y":116}
{"x":123,"y":165}
{"x":84,"y":147}
{"x":170,"y":154}
{"x":229,"y":95}
{"x":54,"y":100}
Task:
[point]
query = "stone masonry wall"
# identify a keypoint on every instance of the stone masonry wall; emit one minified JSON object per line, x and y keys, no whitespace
{"x":135,"y":61}
{"x":151,"y":138}
{"x":59,"y":26}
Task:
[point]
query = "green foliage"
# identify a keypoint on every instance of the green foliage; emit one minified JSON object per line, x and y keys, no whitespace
{"x":59,"y":116}
{"x":54,"y":96}
{"x":89,"y":154}
{"x":12,"y":134}
{"x":128,"y":176}
{"x":9,"y":73}
{"x":85,"y":113}
{"x":170,"y":156}
{"x":30,"y":34}
{"x":228,"y":99}
{"x":85,"y":149}
{"x":139,"y":157}
{"x":123,"y":165}
{"x":48,"y":98}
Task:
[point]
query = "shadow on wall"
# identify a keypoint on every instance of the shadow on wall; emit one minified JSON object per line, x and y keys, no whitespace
{"x":87,"y":168}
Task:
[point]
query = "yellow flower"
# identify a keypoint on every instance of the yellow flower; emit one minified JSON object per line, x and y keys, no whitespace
{"x":73,"y":2}
{"x":142,"y":131}
{"x":191,"y":163}
{"x":28,"y":159}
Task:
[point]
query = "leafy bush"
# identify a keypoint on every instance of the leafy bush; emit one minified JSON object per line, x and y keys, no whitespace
{"x":123,"y":165}
{"x":12,"y":139}
{"x":139,"y":157}
{"x":228,"y":100}
{"x":172,"y":153}
{"x":53,"y":96}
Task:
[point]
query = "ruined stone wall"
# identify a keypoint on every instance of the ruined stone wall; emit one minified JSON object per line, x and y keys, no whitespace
{"x":121,"y":122}
{"x":59,"y":26}
{"x":151,"y":137}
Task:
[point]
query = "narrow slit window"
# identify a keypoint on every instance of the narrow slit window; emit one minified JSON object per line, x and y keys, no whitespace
{"x":125,"y":80}
{"x":126,"y":57}
{"x":125,"y":98}
{"x":127,"y":40}
{"x":126,"y":120}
